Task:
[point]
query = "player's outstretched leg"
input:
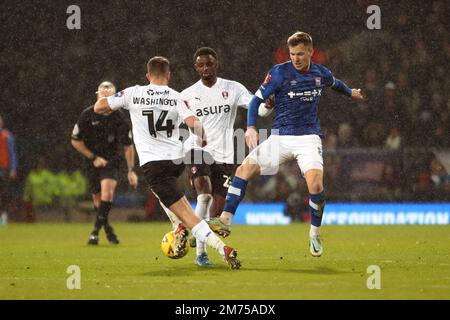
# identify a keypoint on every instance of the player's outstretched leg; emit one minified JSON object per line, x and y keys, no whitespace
{"x":202,"y":211}
{"x":316,"y":207}
{"x":202,"y":232}
{"x":180,"y":231}
{"x":174,"y":220}
{"x":236,"y":192}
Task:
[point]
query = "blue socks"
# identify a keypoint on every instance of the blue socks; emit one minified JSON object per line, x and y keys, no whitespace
{"x":316,"y":206}
{"x":236,"y":193}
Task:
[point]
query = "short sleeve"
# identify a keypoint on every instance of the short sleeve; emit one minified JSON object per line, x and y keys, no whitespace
{"x":80,"y":127}
{"x":243,"y":96}
{"x":328,"y":78}
{"x":121,"y":99}
{"x":272,"y":82}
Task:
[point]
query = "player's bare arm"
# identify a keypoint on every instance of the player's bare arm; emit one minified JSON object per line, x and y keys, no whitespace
{"x":129,"y":157}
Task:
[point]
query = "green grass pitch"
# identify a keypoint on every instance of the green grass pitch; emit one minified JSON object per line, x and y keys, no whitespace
{"x":414,"y":262}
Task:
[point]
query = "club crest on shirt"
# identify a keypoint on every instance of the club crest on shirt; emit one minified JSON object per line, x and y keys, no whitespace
{"x":318,"y":81}
{"x":186,"y":104}
{"x":225,"y":94}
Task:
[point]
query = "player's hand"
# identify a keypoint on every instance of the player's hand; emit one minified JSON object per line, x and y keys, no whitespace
{"x":132,"y":179}
{"x":270,"y":103}
{"x":251,"y":137}
{"x":100,"y":162}
{"x":357,"y":95}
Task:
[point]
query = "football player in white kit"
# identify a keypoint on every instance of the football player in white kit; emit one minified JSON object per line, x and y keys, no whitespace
{"x":155,"y":111}
{"x":215,"y":102}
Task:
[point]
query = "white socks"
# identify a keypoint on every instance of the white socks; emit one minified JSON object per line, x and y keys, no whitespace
{"x":314,"y":231}
{"x":204,"y":202}
{"x":202,"y":232}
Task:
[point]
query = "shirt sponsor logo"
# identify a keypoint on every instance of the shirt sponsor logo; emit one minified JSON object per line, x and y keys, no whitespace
{"x":152,"y":92}
{"x":309,"y":95}
{"x":213,"y":110}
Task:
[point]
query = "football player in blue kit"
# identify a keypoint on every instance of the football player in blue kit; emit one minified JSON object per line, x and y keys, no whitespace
{"x":297,"y":86}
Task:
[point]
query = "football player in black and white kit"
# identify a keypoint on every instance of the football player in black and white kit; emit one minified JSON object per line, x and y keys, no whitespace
{"x":215,"y":102}
{"x":155,"y":111}
{"x":99,"y":139}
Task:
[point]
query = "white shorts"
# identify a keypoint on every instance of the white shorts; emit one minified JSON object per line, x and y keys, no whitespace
{"x":276,"y":150}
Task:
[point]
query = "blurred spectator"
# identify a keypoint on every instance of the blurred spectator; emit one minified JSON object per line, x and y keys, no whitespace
{"x":277,"y":189}
{"x":391,"y":182}
{"x":8,"y":171}
{"x":441,"y":135}
{"x":345,"y":138}
{"x":374,"y":134}
{"x":394,"y":140}
{"x":438,"y":175}
{"x":330,"y":141}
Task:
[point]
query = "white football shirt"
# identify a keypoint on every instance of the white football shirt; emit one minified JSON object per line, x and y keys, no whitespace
{"x":156,"y":112}
{"x":216,"y":107}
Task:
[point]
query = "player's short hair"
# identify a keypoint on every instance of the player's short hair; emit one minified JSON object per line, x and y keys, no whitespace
{"x":158,"y":66}
{"x":204,"y":51}
{"x":300,"y":38}
{"x":106,"y":83}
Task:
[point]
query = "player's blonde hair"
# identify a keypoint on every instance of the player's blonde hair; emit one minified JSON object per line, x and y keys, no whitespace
{"x":300,"y":37}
